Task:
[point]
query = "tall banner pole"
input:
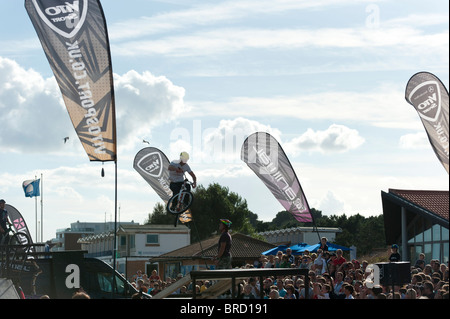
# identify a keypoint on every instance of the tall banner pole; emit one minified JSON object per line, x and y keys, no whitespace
{"x":75,"y":40}
{"x":115,"y":227}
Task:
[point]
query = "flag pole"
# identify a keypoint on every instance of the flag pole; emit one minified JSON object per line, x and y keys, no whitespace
{"x":36,"y":214}
{"x":42,"y":208}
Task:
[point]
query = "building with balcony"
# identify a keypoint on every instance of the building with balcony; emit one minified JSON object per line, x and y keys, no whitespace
{"x":136,"y":244}
{"x":67,"y":238}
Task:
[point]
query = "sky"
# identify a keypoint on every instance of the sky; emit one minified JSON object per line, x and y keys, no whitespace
{"x":326,"y":78}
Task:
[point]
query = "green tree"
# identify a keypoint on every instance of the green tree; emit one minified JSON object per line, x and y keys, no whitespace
{"x":283,"y":219}
{"x":216,"y":202}
{"x":159,"y":215}
{"x":371,"y":235}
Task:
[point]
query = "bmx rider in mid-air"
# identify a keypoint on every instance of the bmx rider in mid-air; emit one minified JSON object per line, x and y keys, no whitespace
{"x":177,"y":168}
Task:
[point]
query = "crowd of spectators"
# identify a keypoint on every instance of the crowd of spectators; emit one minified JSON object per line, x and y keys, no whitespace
{"x":331,"y":276}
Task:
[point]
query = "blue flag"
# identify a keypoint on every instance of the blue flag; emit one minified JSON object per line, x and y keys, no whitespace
{"x":31,"y":188}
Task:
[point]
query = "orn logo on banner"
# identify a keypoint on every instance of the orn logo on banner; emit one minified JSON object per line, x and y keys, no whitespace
{"x":430,"y":98}
{"x":151,"y":164}
{"x":427,"y":98}
{"x":65,"y":19}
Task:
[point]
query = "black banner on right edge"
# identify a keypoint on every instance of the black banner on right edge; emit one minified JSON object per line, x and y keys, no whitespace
{"x":430,"y":99}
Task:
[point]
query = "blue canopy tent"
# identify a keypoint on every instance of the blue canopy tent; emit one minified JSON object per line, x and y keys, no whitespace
{"x":274,"y":250}
{"x":298,"y":249}
{"x":331,"y":247}
{"x":295,"y":249}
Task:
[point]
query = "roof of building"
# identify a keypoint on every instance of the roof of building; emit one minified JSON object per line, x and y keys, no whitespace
{"x":436,"y":202}
{"x":432,"y":205}
{"x":243,"y":246}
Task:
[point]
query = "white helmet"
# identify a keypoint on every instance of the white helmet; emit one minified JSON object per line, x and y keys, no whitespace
{"x":184,"y":157}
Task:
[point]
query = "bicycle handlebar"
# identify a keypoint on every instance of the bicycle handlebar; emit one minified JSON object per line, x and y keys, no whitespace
{"x":186,"y":180}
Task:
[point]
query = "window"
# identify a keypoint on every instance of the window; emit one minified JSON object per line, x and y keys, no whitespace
{"x":426,"y":237}
{"x":436,"y":254}
{"x":419,"y":230}
{"x":149,"y":267}
{"x":415,"y":252}
{"x":132,"y":241}
{"x":152,"y":239}
{"x":172,"y":270}
{"x":123,"y":240}
{"x":444,"y":233}
{"x":427,"y":250}
{"x":445,"y":248}
{"x":436,"y":232}
{"x":105,"y":283}
{"x":427,"y":232}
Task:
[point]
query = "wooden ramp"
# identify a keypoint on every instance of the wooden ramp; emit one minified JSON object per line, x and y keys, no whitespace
{"x":169,"y":290}
{"x":224,"y":280}
{"x":218,"y":288}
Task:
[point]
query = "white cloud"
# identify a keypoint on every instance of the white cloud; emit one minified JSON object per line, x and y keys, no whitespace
{"x":336,"y":138}
{"x":418,"y":20}
{"x":223,"y":144}
{"x":220,"y":41}
{"x":34,"y":117}
{"x":31,"y":112}
{"x":218,"y":149}
{"x":203,"y":33}
{"x":416,"y":141}
{"x":178,"y":146}
{"x":211,"y":173}
{"x":205,"y":14}
{"x":144,"y":101}
{"x":330,"y":204}
{"x":382,"y":107}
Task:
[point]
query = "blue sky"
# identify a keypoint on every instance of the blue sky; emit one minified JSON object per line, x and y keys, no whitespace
{"x":326,"y":78}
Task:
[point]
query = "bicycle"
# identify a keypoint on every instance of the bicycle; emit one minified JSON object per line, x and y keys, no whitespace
{"x":17,"y":239}
{"x":179,"y":203}
{"x":14,"y":247}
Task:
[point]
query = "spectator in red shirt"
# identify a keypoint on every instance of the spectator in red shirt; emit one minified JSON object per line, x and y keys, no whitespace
{"x":339,"y":260}
{"x":154,"y":276}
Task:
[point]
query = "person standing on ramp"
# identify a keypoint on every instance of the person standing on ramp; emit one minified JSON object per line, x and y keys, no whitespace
{"x":223,"y":258}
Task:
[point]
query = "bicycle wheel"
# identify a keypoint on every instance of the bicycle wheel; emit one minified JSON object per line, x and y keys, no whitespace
{"x":20,"y":239}
{"x":174,"y":206}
